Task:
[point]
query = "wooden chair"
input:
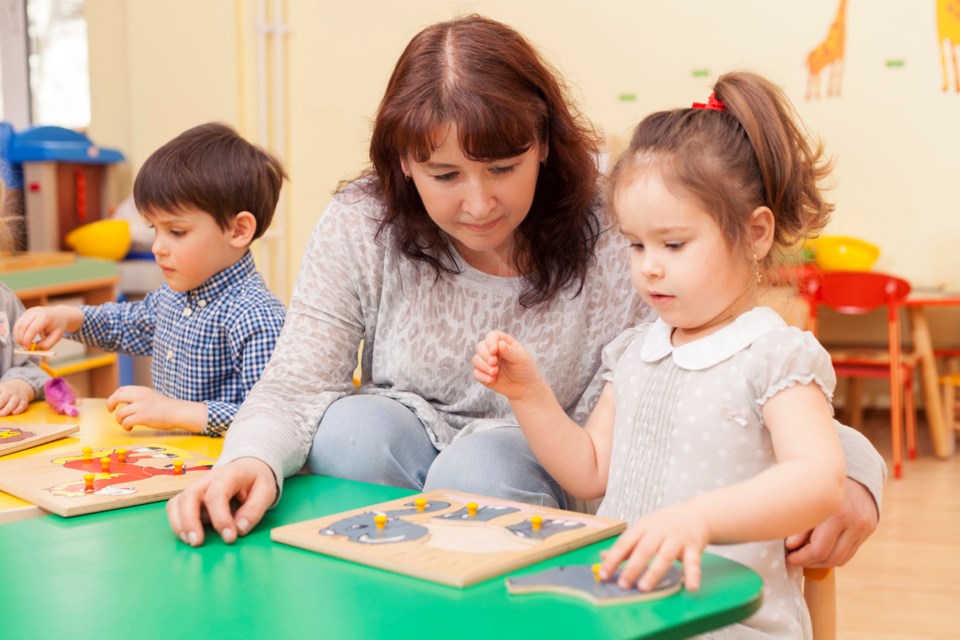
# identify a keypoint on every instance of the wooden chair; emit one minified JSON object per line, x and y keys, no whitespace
{"x":950,"y":384}
{"x":859,"y":292}
{"x":820,"y":594}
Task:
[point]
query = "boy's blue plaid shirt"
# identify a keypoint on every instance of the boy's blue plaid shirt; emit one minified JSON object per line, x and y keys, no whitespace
{"x":208,"y":345}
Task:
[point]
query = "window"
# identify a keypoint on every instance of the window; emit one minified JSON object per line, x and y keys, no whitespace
{"x":15,"y":94}
{"x":43,"y":63}
{"x":59,"y":78}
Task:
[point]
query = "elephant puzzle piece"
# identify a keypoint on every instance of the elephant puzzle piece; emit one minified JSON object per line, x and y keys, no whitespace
{"x":450,"y":537}
{"x":581,"y":581}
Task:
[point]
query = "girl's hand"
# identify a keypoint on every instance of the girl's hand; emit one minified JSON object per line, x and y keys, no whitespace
{"x":677,"y":532}
{"x":15,"y":396}
{"x":503,"y":365}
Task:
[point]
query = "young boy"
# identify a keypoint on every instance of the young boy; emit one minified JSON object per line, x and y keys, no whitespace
{"x":211,"y":327}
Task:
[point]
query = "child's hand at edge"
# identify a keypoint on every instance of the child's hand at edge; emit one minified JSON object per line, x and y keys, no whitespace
{"x":676,"y":532}
{"x":503,"y":365}
{"x":49,"y":323}
{"x":145,"y":407}
{"x":15,"y":397}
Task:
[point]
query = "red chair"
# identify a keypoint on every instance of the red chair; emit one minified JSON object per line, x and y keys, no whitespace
{"x":859,"y":292}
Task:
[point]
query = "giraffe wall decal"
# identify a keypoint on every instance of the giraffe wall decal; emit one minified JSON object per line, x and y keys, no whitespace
{"x":948,"y":29}
{"x":829,"y":54}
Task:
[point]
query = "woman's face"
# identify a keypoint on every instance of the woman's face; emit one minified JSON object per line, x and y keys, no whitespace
{"x":479,"y":205}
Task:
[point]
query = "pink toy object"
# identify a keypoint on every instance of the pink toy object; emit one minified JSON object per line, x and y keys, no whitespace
{"x":61,"y":397}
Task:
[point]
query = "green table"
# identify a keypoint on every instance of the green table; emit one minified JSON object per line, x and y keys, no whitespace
{"x":123,"y":573}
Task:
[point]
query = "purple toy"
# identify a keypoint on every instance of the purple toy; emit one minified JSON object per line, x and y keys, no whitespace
{"x":61,"y":397}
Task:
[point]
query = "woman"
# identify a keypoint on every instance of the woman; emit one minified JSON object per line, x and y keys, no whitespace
{"x":481,"y":211}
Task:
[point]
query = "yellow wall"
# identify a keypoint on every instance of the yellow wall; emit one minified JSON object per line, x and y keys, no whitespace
{"x":160,"y":66}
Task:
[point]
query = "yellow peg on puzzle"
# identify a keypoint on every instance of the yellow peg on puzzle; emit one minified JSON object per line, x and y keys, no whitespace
{"x":536,"y":522}
{"x":380,"y":520}
{"x":87,"y":454}
{"x":88,"y":482}
{"x":421,"y":503}
{"x":596,"y":572}
{"x":471,"y":509}
{"x":121,"y":455}
{"x":178,"y":467}
{"x":105,"y":464}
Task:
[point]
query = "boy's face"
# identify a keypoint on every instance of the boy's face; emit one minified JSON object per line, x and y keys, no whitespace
{"x":190,"y":247}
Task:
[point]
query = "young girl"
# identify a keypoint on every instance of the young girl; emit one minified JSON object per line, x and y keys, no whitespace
{"x":715,"y":426}
{"x":21,"y":378}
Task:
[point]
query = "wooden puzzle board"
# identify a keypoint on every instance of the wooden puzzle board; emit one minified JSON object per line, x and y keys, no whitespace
{"x":56,"y":481}
{"x":16,"y":436}
{"x":443,"y":542}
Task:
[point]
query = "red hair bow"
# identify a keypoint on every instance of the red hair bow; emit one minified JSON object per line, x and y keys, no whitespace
{"x":712,"y":104}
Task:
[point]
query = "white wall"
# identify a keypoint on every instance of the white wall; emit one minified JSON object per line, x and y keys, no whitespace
{"x":160,"y":66}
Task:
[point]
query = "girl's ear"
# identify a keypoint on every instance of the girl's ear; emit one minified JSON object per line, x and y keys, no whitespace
{"x":761,"y":231}
{"x":404,"y":167}
{"x":242,"y":229}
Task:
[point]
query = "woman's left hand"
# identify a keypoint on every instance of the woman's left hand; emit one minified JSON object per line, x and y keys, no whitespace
{"x":835,"y":540}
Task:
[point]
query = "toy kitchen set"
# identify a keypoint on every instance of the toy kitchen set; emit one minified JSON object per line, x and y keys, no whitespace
{"x":57,"y":179}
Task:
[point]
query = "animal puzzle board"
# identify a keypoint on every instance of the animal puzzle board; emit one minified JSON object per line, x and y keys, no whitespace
{"x":100,"y":479}
{"x":450,"y":537}
{"x":15,"y":436}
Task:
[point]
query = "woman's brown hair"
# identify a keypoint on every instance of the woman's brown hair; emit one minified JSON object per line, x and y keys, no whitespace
{"x":503,"y":97}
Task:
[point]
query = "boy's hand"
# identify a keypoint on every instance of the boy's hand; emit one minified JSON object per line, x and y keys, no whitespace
{"x":145,"y":407}
{"x":503,"y":365}
{"x":677,"y":532}
{"x":49,"y":323}
{"x":246,"y":482}
{"x":15,"y":396}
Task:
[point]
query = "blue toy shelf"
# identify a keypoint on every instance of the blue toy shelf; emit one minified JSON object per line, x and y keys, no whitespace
{"x":47,"y":144}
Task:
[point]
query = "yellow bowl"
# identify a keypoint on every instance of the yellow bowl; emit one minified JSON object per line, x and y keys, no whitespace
{"x":843,"y":253}
{"x":108,"y":239}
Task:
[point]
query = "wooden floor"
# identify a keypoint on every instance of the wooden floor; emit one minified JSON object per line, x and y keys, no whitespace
{"x":905,"y":580}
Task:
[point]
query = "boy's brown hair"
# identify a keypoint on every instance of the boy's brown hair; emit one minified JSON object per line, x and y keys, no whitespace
{"x":211,"y":168}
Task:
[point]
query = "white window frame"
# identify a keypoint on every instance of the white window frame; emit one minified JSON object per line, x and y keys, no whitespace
{"x":13,"y":58}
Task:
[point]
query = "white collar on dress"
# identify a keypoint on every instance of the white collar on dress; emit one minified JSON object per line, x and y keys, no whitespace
{"x":714,"y":348}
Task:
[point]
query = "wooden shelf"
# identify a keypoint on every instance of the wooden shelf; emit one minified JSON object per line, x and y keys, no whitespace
{"x":80,"y":364}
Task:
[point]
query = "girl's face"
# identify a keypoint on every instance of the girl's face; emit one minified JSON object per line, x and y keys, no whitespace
{"x":478,"y":204}
{"x":681,"y":263}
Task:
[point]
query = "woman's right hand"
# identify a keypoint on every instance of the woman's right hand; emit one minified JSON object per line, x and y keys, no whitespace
{"x":248,"y":482}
